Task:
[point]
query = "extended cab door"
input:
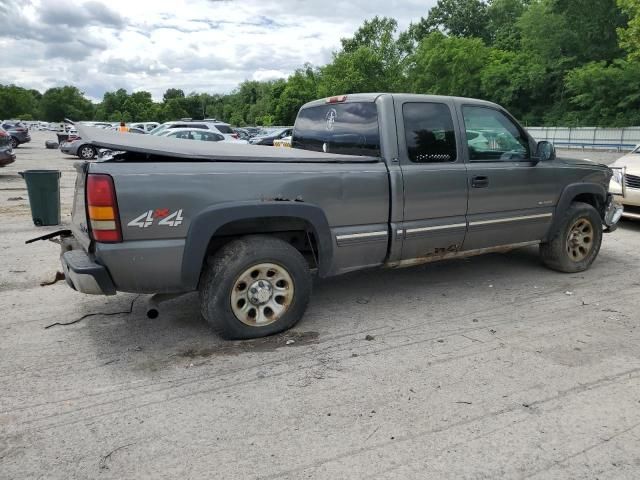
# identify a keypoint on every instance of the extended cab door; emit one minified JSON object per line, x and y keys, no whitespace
{"x":434,"y":178}
{"x":511,"y":198}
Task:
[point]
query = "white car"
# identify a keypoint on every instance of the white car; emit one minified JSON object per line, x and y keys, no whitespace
{"x":146,"y":126}
{"x":199,"y":134}
{"x":216,"y":127}
{"x":630,"y":165}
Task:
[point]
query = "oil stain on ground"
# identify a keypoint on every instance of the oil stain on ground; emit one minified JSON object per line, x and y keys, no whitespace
{"x":265,"y":344}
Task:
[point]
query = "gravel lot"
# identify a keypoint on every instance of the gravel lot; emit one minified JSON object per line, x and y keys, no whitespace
{"x":492,"y":367}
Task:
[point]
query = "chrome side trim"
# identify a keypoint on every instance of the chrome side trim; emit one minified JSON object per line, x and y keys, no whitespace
{"x":437,"y":227}
{"x":354,"y":236}
{"x":510,"y":219}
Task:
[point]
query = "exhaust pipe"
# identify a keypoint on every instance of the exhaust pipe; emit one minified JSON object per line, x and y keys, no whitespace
{"x":153,"y":304}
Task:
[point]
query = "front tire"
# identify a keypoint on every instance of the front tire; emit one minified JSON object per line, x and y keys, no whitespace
{"x":253,"y":287}
{"x":575,"y":243}
{"x":87,"y":152}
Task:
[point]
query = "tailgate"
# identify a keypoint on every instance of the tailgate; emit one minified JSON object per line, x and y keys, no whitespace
{"x":79,"y":225}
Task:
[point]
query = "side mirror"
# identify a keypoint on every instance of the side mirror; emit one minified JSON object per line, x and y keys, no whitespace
{"x":545,"y":151}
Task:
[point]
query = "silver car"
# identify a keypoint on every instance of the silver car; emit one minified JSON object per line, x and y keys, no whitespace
{"x":78,"y":147}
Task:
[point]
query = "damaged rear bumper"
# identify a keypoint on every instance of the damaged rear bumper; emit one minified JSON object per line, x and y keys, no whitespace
{"x":85,"y":275}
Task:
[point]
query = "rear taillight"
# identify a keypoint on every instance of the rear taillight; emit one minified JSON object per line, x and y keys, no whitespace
{"x":73,"y":138}
{"x":3,"y":133}
{"x":235,"y":135}
{"x":103,"y":209}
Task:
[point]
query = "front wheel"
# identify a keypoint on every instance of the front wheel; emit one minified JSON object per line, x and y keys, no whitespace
{"x":575,"y":243}
{"x":87,"y":152}
{"x":253,"y":287}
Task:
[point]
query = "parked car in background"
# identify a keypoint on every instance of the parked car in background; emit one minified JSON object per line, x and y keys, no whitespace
{"x":6,"y":152}
{"x":18,"y":132}
{"x":75,"y":145}
{"x":199,"y":134}
{"x":242,"y":133}
{"x":217,"y":127}
{"x":283,"y":142}
{"x":269,"y":136}
{"x":253,"y":131}
{"x":146,"y":126}
{"x":630,"y":166}
{"x":78,"y":147}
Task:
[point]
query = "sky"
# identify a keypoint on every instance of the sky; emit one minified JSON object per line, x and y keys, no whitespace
{"x":196,"y":45}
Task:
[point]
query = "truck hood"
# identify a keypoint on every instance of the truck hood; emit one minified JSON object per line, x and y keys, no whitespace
{"x":193,"y":150}
{"x":581,"y":162}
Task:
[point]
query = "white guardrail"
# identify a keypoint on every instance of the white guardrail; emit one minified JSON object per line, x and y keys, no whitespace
{"x":589,"y":137}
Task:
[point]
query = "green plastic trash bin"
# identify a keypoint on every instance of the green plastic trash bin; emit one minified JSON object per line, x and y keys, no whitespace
{"x":44,"y":196}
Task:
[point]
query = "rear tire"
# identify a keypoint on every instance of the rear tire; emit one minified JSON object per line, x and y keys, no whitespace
{"x":14,"y":142}
{"x":253,"y":287}
{"x":575,"y":243}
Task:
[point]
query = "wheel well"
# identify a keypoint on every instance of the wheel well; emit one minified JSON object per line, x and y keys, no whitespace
{"x":592,"y":199}
{"x":296,"y":231}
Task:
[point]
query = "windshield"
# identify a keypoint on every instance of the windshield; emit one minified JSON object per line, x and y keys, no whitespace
{"x":346,"y":128}
{"x":159,"y":129}
{"x":223,"y":128}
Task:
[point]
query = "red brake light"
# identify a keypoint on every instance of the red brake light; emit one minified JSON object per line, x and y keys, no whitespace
{"x":3,"y":133}
{"x":235,"y":135}
{"x":102,"y":209}
{"x":337,"y":99}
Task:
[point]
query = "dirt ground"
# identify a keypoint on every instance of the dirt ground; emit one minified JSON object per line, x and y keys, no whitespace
{"x":491,"y":367}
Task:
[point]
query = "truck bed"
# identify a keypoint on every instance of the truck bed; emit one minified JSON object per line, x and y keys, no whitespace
{"x":173,"y":148}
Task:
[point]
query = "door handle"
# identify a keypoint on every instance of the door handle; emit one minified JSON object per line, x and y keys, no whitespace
{"x":479,"y":182}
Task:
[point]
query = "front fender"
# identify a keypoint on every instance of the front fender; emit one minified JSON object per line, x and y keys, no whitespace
{"x":205,"y":225}
{"x":567,"y":196}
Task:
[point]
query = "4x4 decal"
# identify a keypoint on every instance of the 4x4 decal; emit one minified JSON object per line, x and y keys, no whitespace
{"x":163,"y":216}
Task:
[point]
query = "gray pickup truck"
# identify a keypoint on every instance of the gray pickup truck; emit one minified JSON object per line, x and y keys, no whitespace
{"x":372,"y":180}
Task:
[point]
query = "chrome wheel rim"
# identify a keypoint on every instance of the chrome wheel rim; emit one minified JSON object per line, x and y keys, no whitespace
{"x":262,"y":294}
{"x":86,"y":152}
{"x":580,"y":240}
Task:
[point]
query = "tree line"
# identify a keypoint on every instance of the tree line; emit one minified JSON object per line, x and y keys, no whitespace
{"x":550,"y":62}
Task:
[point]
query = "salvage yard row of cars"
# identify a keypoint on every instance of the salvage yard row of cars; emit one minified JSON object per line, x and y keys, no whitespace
{"x":209,"y":130}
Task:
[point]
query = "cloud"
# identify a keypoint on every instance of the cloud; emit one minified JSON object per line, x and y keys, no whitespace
{"x":200,"y":45}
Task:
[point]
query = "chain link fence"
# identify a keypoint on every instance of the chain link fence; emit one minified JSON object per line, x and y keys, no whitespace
{"x":589,"y":137}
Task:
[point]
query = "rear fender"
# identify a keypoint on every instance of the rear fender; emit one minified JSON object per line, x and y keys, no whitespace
{"x":205,"y":225}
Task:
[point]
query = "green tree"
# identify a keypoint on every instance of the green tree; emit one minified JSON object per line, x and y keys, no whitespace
{"x":372,"y":60}
{"x":65,"y":102}
{"x":604,"y":95}
{"x":460,"y":18}
{"x":172,"y":93}
{"x":301,"y":87}
{"x":445,"y":65}
{"x":630,"y":35}
{"x":17,"y":102}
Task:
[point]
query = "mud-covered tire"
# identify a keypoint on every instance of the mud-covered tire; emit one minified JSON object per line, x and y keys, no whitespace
{"x":558,"y":254}
{"x":222,"y":278}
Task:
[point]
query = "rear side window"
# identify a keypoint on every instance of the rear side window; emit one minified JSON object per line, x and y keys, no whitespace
{"x":224,"y":128}
{"x":345,"y":128}
{"x":429,"y":132}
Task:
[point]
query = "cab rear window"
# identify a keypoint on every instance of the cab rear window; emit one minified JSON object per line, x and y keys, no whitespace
{"x":346,"y":128}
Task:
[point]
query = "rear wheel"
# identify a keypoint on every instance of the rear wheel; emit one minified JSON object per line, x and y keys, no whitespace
{"x":255,"y":286}
{"x":576,"y":242}
{"x":87,"y":152}
{"x":14,"y":142}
